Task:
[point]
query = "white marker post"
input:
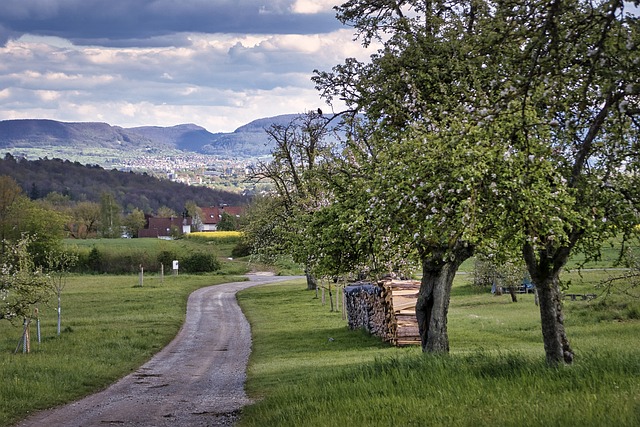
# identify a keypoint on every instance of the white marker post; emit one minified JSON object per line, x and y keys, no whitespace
{"x":175,"y":267}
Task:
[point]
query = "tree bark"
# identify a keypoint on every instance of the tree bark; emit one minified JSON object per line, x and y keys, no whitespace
{"x":438,"y":272}
{"x":556,"y":343}
{"x":545,"y":274}
{"x":312,"y":282}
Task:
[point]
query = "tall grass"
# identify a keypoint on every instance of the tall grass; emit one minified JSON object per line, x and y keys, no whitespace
{"x":110,"y":326}
{"x":307,"y":369}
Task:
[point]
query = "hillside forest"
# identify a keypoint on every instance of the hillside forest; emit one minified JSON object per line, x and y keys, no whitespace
{"x":87,"y":183}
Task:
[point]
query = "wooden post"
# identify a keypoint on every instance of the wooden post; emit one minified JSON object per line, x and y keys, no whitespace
{"x":337,"y":296}
{"x":344,"y":311}
{"x":141,"y":276}
{"x":161,"y":273}
{"x":26,"y":339}
{"x":330,"y":299}
{"x":38,"y":325}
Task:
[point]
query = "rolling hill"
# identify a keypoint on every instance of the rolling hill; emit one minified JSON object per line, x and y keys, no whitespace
{"x":249,"y":140}
{"x":79,"y":183}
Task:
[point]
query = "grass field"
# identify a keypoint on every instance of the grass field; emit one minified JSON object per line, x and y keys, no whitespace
{"x":307,"y":369}
{"x":110,"y":326}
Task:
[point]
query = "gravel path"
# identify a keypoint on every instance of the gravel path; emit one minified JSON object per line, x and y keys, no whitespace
{"x":197,"y":380}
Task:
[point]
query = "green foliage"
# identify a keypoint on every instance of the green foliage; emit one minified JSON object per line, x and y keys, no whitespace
{"x":21,"y":217}
{"x":200,"y":262}
{"x":504,"y":273}
{"x":110,"y":220}
{"x":88,"y":182}
{"x":166,"y":258}
{"x":134,"y":222}
{"x":228,"y":222}
{"x":533,"y":145}
{"x":94,"y":260}
{"x":240,"y":250}
{"x":86,"y":217}
{"x":262,"y":230}
{"x":22,"y":283}
{"x":279,"y":224}
{"x":194,"y":211}
{"x":166,"y":212}
{"x":120,"y":256}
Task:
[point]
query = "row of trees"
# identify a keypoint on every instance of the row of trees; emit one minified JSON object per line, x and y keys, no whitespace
{"x":33,"y":264}
{"x":83,"y":219}
{"x":504,"y":128}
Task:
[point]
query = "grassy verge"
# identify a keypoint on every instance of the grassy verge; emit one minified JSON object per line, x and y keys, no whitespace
{"x":110,"y":326}
{"x":307,"y":369}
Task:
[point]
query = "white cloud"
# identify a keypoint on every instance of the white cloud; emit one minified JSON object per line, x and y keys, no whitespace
{"x":219,"y":81}
{"x":313,"y":6}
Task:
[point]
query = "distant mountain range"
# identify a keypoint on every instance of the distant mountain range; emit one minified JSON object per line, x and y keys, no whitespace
{"x":249,"y":140}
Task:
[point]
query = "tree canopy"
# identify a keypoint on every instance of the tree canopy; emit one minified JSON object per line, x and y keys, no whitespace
{"x":493,"y":125}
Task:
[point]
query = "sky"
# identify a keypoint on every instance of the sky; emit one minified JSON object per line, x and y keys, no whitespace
{"x":217,"y":63}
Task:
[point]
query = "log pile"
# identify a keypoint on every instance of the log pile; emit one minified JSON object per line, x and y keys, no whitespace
{"x":385,"y":309}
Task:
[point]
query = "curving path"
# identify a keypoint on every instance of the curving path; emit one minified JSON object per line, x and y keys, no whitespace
{"x":197,"y":380}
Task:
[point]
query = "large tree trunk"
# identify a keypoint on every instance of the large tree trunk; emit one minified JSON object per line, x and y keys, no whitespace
{"x":433,"y":298}
{"x":312,"y":282}
{"x":556,"y":343}
{"x":545,"y":274}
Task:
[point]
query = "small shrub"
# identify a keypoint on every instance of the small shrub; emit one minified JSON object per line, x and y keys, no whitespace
{"x":166,"y":258}
{"x":200,"y":262}
{"x":95,"y":260}
{"x":241,"y":250}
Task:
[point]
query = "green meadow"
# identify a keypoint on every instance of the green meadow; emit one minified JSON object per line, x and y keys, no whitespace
{"x":110,"y":326}
{"x":308,"y":369}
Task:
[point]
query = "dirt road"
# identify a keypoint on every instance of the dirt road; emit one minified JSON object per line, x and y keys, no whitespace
{"x":197,"y":380}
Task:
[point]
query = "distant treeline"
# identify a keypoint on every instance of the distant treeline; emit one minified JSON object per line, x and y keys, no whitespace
{"x":131,"y":190}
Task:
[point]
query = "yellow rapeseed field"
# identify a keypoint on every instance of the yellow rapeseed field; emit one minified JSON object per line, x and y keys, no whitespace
{"x":213,"y":235}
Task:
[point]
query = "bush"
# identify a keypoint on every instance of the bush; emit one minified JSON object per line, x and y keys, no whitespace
{"x":241,"y":250}
{"x":94,"y":260}
{"x":200,"y":262}
{"x":166,"y":258}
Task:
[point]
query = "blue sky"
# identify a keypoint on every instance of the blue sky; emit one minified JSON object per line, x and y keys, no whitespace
{"x":216,"y":63}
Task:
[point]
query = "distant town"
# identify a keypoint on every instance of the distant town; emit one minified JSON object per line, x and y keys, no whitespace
{"x":217,"y":172}
{"x":192,"y":169}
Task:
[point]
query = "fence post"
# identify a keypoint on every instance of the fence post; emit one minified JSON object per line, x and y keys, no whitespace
{"x":26,"y":340}
{"x":38,"y":325}
{"x":141,"y":276}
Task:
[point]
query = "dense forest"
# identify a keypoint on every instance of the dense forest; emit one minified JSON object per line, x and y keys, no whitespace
{"x":87,"y":183}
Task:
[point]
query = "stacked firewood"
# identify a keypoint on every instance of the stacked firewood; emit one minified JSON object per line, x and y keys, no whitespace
{"x":385,"y":309}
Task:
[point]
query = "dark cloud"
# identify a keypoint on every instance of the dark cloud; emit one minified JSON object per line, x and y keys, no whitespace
{"x":5,"y":35}
{"x":149,"y":22}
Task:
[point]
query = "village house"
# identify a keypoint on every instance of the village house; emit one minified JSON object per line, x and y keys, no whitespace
{"x":165,"y":228}
{"x":212,"y":215}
